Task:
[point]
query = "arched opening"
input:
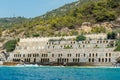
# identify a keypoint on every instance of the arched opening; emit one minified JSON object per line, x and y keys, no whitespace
{"x":34,"y":59}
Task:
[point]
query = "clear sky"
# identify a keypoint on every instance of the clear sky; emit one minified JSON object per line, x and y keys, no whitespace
{"x":29,"y":8}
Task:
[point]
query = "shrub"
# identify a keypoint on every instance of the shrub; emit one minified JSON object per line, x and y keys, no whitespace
{"x":80,"y":38}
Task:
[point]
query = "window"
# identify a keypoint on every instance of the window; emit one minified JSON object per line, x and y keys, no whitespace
{"x":59,"y":55}
{"x":102,"y":59}
{"x":88,"y":41}
{"x":84,"y":55}
{"x":23,"y":55}
{"x":52,"y":55}
{"x":109,"y":54}
{"x":109,"y":59}
{"x":52,"y":43}
{"x":92,"y":59}
{"x":14,"y":55}
{"x":20,"y":55}
{"x":33,"y":55}
{"x":73,"y":42}
{"x":37,"y":55}
{"x":103,"y":41}
{"x":53,"y":47}
{"x":43,"y":60}
{"x":106,"y":41}
{"x":99,"y":60}
{"x":97,"y":41}
{"x":48,"y":46}
{"x":82,"y":41}
{"x":44,"y":55}
{"x":69,"y":55}
{"x":93,"y":55}
{"x":83,"y":46}
{"x":89,"y":60}
{"x":76,"y":55}
{"x":73,"y":60}
{"x":105,"y":59}
{"x":76,"y":59}
{"x":67,"y":60}
{"x":106,"y":54}
{"x":96,"y":54}
{"x":96,"y":46}
{"x":90,"y":55}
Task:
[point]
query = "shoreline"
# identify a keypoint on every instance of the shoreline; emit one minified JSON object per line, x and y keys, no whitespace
{"x":60,"y":65}
{"x":40,"y":66}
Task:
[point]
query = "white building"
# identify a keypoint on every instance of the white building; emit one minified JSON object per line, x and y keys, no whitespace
{"x":52,"y":51}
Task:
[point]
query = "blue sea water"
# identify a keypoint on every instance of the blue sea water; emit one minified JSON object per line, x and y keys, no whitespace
{"x":59,"y":73}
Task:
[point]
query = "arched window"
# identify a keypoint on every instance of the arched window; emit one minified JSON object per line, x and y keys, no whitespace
{"x":84,"y":55}
{"x":109,"y":59}
{"x":90,"y":55}
{"x":105,"y":59}
{"x":99,"y":60}
{"x":96,"y":54}
{"x":93,"y":54}
{"x":102,"y":59}
{"x":109,"y":54}
{"x":106,"y":54}
{"x":92,"y":59}
{"x":89,"y":60}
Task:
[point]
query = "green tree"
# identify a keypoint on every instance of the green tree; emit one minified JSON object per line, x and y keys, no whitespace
{"x":36,"y":35}
{"x":10,"y":45}
{"x":80,"y":38}
{"x":117,"y":45}
{"x":111,"y":35}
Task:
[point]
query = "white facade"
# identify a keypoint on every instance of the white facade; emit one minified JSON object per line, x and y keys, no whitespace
{"x":43,"y":51}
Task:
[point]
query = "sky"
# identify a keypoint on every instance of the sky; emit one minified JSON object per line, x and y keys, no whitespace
{"x":29,"y":8}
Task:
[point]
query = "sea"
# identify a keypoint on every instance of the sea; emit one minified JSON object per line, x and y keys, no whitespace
{"x":58,"y":73}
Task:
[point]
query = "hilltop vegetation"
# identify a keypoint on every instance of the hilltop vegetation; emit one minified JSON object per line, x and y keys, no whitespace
{"x":8,"y":22}
{"x":66,"y":20}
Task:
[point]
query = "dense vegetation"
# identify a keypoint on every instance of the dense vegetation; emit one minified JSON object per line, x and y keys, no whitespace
{"x":117,"y":45}
{"x":10,"y":45}
{"x":8,"y":22}
{"x":69,"y":17}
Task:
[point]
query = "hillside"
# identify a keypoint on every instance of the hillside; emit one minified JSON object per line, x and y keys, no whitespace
{"x":83,"y":16}
{"x":7,"y":22}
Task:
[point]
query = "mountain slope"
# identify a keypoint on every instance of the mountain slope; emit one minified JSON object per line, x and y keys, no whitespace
{"x":67,"y":20}
{"x":7,"y":22}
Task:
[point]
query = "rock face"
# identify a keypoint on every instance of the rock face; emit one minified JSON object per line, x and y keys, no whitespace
{"x":87,"y":26}
{"x":116,"y":24}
